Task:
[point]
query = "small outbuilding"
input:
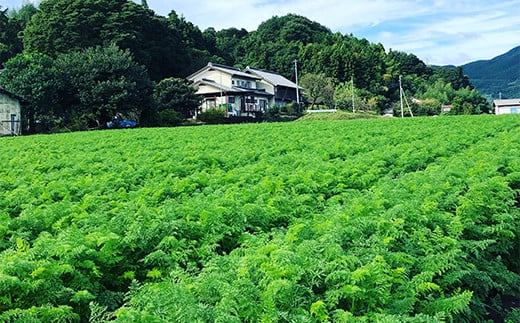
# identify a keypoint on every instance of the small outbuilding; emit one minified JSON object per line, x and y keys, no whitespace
{"x":507,"y":106}
{"x":10,"y":113}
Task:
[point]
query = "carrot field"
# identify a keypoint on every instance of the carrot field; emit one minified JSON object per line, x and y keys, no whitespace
{"x":381,"y":220}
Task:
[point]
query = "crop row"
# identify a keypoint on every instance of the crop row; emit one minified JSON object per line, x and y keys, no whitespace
{"x":400,"y":219}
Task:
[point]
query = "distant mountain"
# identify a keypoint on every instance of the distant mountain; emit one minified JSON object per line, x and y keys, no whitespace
{"x":497,"y":77}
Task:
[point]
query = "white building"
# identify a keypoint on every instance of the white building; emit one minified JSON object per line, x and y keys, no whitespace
{"x":10,"y":114}
{"x":507,"y":106}
{"x":244,"y":93}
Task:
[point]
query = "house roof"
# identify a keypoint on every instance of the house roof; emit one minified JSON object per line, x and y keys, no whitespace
{"x":234,"y":89}
{"x":225,"y":69}
{"x":4,"y":91}
{"x":506,"y":102}
{"x":214,"y":84}
{"x":271,"y":77}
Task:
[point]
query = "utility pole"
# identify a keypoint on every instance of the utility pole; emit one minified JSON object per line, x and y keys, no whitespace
{"x":297,"y":87}
{"x":401,"y":96}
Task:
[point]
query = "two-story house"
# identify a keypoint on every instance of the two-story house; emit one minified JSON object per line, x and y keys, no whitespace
{"x":244,"y":93}
{"x":283,"y":90}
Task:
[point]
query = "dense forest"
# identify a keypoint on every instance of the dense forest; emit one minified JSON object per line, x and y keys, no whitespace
{"x":78,"y":63}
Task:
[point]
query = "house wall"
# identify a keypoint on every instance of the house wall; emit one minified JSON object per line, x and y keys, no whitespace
{"x":262,"y":85}
{"x":507,"y":110}
{"x":244,"y":83}
{"x":237,"y":105}
{"x":205,"y":89}
{"x":216,"y":76}
{"x":10,"y":112}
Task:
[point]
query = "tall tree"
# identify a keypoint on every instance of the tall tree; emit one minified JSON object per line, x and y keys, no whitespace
{"x":201,"y":47}
{"x":24,"y":14}
{"x":277,"y":42}
{"x":35,"y":79}
{"x":228,"y":44}
{"x":453,"y":75}
{"x":99,"y":83}
{"x":63,"y":26}
{"x":318,"y":88}
{"x":176,"y":94}
{"x":10,"y":44}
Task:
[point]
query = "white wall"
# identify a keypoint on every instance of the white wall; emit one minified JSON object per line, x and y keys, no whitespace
{"x":9,"y":107}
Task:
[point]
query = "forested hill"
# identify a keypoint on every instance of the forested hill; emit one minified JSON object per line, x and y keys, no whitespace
{"x":80,"y":62}
{"x":500,"y":75}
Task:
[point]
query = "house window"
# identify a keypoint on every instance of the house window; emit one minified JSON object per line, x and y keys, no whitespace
{"x":263,"y":104}
{"x":211,"y":103}
{"x":231,"y":99}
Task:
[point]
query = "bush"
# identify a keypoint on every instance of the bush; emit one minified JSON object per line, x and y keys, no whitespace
{"x":291,"y":109}
{"x":272,"y":113}
{"x":169,"y":117}
{"x":214,"y":116}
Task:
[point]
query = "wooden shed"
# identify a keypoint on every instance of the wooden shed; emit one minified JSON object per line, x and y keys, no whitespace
{"x":10,"y":114}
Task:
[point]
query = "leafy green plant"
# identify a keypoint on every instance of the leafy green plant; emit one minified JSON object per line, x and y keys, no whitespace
{"x":214,"y":115}
{"x":411,"y":220}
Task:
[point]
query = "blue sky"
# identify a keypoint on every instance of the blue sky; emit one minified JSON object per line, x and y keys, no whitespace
{"x":440,"y":32}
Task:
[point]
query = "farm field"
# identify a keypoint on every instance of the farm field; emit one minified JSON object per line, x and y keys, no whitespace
{"x":383,"y":220}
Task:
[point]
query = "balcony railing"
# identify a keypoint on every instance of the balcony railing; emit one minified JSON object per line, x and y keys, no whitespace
{"x":252,"y":107}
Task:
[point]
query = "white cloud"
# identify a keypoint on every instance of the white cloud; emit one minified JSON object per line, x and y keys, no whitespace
{"x":438,"y":31}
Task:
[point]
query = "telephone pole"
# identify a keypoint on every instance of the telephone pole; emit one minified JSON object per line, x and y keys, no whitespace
{"x":297,"y":87}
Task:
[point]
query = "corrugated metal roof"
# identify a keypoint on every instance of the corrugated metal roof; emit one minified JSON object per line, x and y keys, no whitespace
{"x":4,"y":91}
{"x":214,"y":84}
{"x":233,"y":89}
{"x":506,"y":102}
{"x":225,"y":69}
{"x":272,"y":77}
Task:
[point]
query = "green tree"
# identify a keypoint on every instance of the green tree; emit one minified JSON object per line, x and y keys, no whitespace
{"x":343,"y":57}
{"x":10,"y":44}
{"x":34,"y":78}
{"x":401,"y":63}
{"x":318,"y":88}
{"x":151,"y":41}
{"x":363,"y":99}
{"x":24,"y":14}
{"x":439,"y":90}
{"x":453,"y":75}
{"x":428,"y":107}
{"x":176,"y":94}
{"x":277,"y":42}
{"x":469,"y":101}
{"x":63,"y":26}
{"x":227,"y":42}
{"x":100,"y":82}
